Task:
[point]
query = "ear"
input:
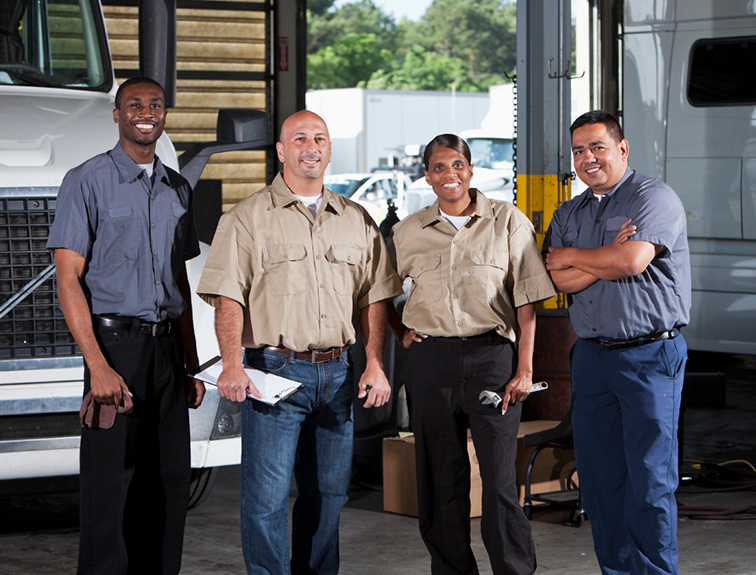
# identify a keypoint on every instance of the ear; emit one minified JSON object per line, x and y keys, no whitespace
{"x":115,"y":115}
{"x":624,"y":149}
{"x":280,"y":151}
{"x":427,"y":179}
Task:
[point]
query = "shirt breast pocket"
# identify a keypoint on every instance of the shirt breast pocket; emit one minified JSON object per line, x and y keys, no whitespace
{"x":285,"y":270}
{"x":121,"y":235}
{"x":345,"y":265}
{"x":426,"y":275}
{"x":488,"y":272}
{"x":613,"y":226}
{"x":569,"y":239}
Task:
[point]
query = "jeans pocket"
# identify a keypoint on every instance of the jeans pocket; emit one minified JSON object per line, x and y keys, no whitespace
{"x":265,"y":360}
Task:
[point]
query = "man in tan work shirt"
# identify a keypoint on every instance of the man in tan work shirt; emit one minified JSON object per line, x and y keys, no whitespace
{"x":290,"y":270}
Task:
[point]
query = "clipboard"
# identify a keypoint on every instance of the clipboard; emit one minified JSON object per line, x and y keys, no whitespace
{"x":274,"y":388}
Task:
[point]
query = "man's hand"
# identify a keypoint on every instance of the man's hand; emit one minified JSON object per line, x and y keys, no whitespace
{"x":374,"y":386}
{"x":557,"y":259}
{"x":107,"y":386}
{"x":234,"y":384}
{"x":516,"y":390}
{"x":195,"y":392}
{"x":625,"y":232}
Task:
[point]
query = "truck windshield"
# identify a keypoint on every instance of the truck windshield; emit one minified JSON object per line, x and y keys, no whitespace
{"x":55,"y":43}
{"x":494,"y":153}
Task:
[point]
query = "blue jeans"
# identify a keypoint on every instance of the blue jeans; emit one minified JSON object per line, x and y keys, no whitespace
{"x":310,"y":433}
{"x":626,"y":406}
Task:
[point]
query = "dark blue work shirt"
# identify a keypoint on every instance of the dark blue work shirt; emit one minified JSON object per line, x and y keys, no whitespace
{"x":134,"y":232}
{"x":657,"y":299}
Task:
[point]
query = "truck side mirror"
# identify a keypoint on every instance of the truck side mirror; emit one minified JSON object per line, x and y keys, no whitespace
{"x":237,"y":129}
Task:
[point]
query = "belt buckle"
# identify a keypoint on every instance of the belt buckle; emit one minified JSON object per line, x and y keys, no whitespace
{"x":313,"y":352}
{"x":153,"y":329}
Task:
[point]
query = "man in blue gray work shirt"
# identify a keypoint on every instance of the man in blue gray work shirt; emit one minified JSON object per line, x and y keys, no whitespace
{"x":123,"y":229}
{"x":620,"y":252}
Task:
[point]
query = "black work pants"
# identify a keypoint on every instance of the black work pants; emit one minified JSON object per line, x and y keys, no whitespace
{"x":444,"y":378}
{"x":135,"y":476}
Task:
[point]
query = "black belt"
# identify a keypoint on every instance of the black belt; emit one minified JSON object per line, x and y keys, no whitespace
{"x":136,"y":325}
{"x":610,"y":344}
{"x":313,"y":356}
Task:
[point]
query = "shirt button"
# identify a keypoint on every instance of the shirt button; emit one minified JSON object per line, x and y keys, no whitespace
{"x":324,"y":316}
{"x":286,"y":257}
{"x":459,"y":323}
{"x":154,"y":226}
{"x":154,"y":254}
{"x":455,"y":296}
{"x":492,"y":262}
{"x":317,"y":257}
{"x":158,"y":282}
{"x":454,"y":241}
{"x":322,"y":285}
{"x":454,"y":267}
{"x":598,"y":221}
{"x":593,"y":328}
{"x":590,"y":301}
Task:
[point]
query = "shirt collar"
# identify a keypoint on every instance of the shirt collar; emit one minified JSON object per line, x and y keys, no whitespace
{"x":587,"y":195}
{"x":283,"y":196}
{"x":129,"y":170}
{"x":483,"y":209}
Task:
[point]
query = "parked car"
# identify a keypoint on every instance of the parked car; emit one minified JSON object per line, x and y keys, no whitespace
{"x":372,"y":191}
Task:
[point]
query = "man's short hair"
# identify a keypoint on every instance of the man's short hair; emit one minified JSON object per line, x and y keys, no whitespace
{"x":600,"y":117}
{"x":131,"y":82}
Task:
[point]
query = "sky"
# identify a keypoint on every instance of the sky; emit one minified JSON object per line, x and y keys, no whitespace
{"x":412,"y":9}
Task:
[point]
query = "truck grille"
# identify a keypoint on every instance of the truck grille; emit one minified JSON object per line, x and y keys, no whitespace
{"x":35,"y":327}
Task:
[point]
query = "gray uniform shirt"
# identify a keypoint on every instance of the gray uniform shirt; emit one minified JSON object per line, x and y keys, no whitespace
{"x":134,"y":232}
{"x":656,"y":300}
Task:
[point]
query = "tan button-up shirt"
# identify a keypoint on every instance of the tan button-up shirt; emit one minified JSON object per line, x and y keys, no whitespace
{"x":469,"y":281}
{"x":300,"y":280}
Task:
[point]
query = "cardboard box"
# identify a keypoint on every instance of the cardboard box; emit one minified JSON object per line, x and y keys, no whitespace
{"x":399,"y":478}
{"x":551,"y":472}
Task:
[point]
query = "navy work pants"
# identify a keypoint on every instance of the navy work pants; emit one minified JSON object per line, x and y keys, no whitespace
{"x":626,"y":405}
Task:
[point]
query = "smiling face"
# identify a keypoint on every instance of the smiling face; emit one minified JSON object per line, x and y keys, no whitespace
{"x":449,"y":174}
{"x":600,"y":160}
{"x":140,"y":119}
{"x":304,"y":150}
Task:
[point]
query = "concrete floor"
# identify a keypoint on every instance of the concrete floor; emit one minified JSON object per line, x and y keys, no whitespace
{"x":38,"y":535}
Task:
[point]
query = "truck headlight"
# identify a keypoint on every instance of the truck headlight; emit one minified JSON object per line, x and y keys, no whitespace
{"x":227,"y":420}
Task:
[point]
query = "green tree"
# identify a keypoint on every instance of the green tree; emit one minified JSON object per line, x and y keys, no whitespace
{"x":319,"y":7}
{"x":362,"y":17}
{"x":422,"y":70}
{"x":481,"y":33}
{"x":348,"y":61}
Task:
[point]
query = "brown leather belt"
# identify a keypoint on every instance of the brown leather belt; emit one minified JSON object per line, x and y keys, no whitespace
{"x":313,"y":356}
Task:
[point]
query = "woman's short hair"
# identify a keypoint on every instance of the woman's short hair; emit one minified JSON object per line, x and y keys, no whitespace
{"x":446,"y":141}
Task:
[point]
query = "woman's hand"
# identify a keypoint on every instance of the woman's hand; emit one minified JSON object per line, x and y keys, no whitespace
{"x":411,"y":336}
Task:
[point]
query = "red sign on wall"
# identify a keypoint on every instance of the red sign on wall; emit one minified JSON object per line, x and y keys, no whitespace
{"x":282,"y":57}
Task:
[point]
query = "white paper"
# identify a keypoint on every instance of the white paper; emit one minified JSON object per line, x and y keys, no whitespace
{"x":274,"y":388}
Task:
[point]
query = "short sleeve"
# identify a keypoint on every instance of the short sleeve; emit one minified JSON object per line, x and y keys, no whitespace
{"x":657,"y":214}
{"x":72,"y":228}
{"x":381,"y":281}
{"x":529,"y":279}
{"x":229,"y":267}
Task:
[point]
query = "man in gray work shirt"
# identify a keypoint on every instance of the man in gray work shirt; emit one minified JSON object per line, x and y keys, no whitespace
{"x":123,"y":229}
{"x":620,"y":252}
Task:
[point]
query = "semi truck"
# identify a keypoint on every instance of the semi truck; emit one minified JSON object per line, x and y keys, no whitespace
{"x":57,"y":87}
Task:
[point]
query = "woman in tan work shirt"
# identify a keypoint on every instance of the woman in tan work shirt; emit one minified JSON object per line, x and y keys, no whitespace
{"x":469,"y":324}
